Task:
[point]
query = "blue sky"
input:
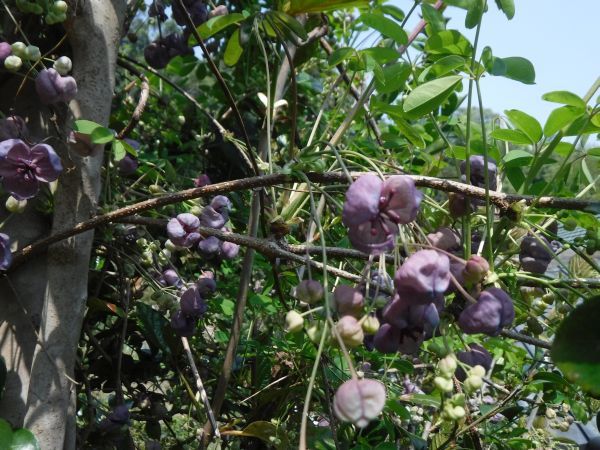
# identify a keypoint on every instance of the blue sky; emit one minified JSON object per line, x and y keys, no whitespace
{"x":561,"y":39}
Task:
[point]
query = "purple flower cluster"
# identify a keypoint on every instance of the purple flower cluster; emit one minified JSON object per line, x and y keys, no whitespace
{"x":493,"y":311}
{"x":162,"y":50}
{"x":192,"y":304}
{"x":534,"y":255}
{"x":23,"y":168}
{"x":184,"y":230}
{"x":374,"y":208}
{"x":413,"y":314}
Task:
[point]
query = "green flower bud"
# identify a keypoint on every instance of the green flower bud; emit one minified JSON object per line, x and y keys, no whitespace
{"x":472,"y":384}
{"x":315,"y":332}
{"x":443,"y":384}
{"x":15,"y":206}
{"x":181,"y":119}
{"x":59,"y":7}
{"x":13,"y":63}
{"x":477,"y":371}
{"x":453,"y":412}
{"x":63,"y":65}
{"x":550,"y":413}
{"x":294,"y":322}
{"x":33,"y":53}
{"x":170,"y":246}
{"x":196,"y":210}
{"x":570,"y":224}
{"x":19,"y":49}
{"x":447,"y":366}
{"x":370,"y":325}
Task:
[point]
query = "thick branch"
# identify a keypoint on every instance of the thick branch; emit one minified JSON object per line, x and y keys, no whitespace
{"x":501,"y":200}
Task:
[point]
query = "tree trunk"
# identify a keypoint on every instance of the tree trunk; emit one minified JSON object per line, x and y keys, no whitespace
{"x":54,"y":287}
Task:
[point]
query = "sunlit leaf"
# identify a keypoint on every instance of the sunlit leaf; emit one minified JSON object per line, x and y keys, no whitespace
{"x":426,"y":97}
{"x":448,"y":42}
{"x":514,"y":67}
{"x":387,"y":27}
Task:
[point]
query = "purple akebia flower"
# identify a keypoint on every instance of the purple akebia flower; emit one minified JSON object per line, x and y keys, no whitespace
{"x":13,"y":127}
{"x":192,"y":304}
{"x":359,"y":401}
{"x":348,"y":301}
{"x":128,"y":165}
{"x":423,"y":277}
{"x":309,"y":291}
{"x":23,"y":168}
{"x":157,"y":9}
{"x":477,"y":171}
{"x":211,"y":218}
{"x":222,"y":205}
{"x":5,"y":253}
{"x":183,"y":230}
{"x":5,"y":51}
{"x":387,"y":339}
{"x":475,"y":356}
{"x":534,"y":255}
{"x":52,"y":87}
{"x":119,"y":415}
{"x":206,"y":284}
{"x":182,"y":325}
{"x":209,"y":247}
{"x":170,"y":278}
{"x":196,"y":8}
{"x":446,"y":239}
{"x":493,"y":311}
{"x":403,"y":314}
{"x":373,"y":209}
{"x":202,"y":180}
{"x":229,"y":250}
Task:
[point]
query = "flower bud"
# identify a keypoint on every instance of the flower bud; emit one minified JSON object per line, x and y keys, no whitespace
{"x":309,"y":291}
{"x":477,"y":371}
{"x":181,"y":119}
{"x":13,"y":63}
{"x":63,"y":65}
{"x":475,"y":269}
{"x":52,"y":87}
{"x":315,"y":332}
{"x":33,"y":53}
{"x":350,"y":331}
{"x":294,"y":322}
{"x":19,"y":49}
{"x":443,"y":384}
{"x":453,"y":412}
{"x":348,"y":300}
{"x":15,"y":206}
{"x":60,"y":7}
{"x":220,"y":10}
{"x":550,"y":413}
{"x":447,"y":366}
{"x":359,"y":401}
{"x":370,"y":325}
{"x":5,"y":51}
{"x":472,"y":384}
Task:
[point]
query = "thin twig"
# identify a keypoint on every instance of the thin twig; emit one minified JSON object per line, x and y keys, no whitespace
{"x":143,"y":100}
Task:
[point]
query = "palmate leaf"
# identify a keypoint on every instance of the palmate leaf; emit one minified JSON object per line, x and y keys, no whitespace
{"x":293,"y":7}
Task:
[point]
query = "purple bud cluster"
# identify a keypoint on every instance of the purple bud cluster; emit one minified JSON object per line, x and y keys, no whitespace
{"x":374,"y":208}
{"x":192,"y":303}
{"x":184,"y":230}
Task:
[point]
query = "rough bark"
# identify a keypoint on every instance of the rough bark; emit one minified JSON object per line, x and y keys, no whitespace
{"x":40,"y":390}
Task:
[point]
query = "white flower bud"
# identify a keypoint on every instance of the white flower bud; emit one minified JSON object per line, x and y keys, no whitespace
{"x":63,"y":65}
{"x":181,"y":119}
{"x":294,"y":322}
{"x":15,"y":206}
{"x":13,"y":63}
{"x":477,"y":371}
{"x":447,"y":366}
{"x":33,"y":53}
{"x":473,"y":383}
{"x":370,"y":325}
{"x":550,"y":413}
{"x":19,"y":49}
{"x":60,"y":7}
{"x":443,"y":384}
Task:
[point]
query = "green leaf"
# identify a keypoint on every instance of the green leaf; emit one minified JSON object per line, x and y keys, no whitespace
{"x":593,"y":151}
{"x":339,"y":55}
{"x":409,"y":132}
{"x":442,"y":67}
{"x":517,"y":158}
{"x":525,"y":123}
{"x":575,"y":346}
{"x":227,"y":306}
{"x":233,"y":50}
{"x":102,"y":135}
{"x":514,"y":136}
{"x":383,"y":55}
{"x":507,"y":7}
{"x":394,"y":11}
{"x":429,"y":96}
{"x":448,"y":42}
{"x":214,"y":25}
{"x":565,"y":98}
{"x":118,"y":149}
{"x":387,"y":27}
{"x":23,"y":439}
{"x":85,"y":126}
{"x":152,"y":323}
{"x":560,"y":118}
{"x":424,"y":400}
{"x":395,"y":76}
{"x":433,"y":17}
{"x":290,"y":23}
{"x":586,"y":172}
{"x":515,"y":68}
{"x":5,"y":434}
{"x":474,"y":14}
{"x":295,"y":7}
{"x":515,"y":176}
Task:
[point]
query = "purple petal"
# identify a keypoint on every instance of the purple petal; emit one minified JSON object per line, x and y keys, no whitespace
{"x":401,"y":199}
{"x":45,"y":86}
{"x":373,"y":238}
{"x":21,"y":187}
{"x":362,"y":200}
{"x":387,"y":339}
{"x":229,"y":250}
{"x":5,"y":253}
{"x":211,"y":218}
{"x":424,"y":276}
{"x":47,"y":163}
{"x":210,"y":246}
